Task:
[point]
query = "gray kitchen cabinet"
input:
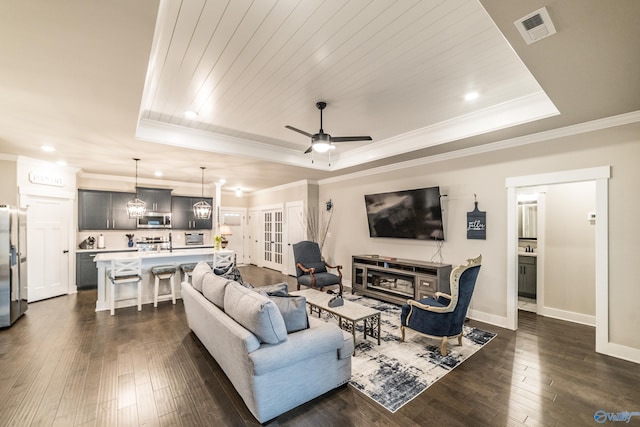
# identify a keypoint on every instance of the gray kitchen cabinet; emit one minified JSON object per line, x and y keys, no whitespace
{"x":527,"y":276}
{"x":182,"y":217}
{"x":157,"y":199}
{"x":86,"y":270}
{"x":104,"y":210}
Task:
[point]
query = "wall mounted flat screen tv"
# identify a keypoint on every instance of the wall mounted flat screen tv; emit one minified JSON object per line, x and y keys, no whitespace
{"x":407,"y":214}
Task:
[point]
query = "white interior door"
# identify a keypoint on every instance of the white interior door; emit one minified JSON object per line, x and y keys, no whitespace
{"x":272,"y":238}
{"x":295,"y":234}
{"x":253,"y":239}
{"x":47,"y":247}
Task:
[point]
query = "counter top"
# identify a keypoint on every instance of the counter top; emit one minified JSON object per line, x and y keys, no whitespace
{"x":105,"y":250}
{"x":127,"y":249}
{"x":532,"y":254}
{"x":158,"y":254}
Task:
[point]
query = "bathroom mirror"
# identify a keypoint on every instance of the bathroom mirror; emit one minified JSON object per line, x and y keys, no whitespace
{"x":527,"y":220}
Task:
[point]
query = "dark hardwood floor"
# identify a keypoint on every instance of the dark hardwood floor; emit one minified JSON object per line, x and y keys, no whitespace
{"x":63,"y":364}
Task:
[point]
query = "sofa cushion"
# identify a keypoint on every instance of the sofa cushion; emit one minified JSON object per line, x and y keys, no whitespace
{"x":293,"y":310}
{"x":198,"y":274}
{"x":213,"y":288}
{"x":278,"y":290}
{"x":255,"y":312}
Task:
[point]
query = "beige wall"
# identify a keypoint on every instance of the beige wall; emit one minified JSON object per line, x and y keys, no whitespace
{"x":297,"y":191}
{"x":485,"y":175}
{"x":570,"y":248}
{"x":9,"y":184}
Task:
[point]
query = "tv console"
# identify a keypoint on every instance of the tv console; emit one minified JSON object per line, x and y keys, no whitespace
{"x":396,"y":280}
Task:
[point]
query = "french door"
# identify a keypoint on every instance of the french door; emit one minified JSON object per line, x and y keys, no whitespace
{"x":272,"y":239}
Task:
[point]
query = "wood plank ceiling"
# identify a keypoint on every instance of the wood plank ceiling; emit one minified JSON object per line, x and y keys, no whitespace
{"x":397,"y":71}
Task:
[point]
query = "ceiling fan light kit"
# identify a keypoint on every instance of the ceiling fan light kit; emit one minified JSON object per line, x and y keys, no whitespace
{"x":322,"y":142}
{"x":321,"y":147}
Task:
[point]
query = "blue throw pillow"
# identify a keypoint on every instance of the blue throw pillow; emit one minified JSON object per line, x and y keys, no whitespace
{"x":222,"y":271}
{"x":233,"y":273}
{"x":277,"y":290}
{"x":293,"y":310}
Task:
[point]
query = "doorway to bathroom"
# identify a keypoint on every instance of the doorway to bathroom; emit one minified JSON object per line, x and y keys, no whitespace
{"x":599,"y":176}
{"x":556,"y":251}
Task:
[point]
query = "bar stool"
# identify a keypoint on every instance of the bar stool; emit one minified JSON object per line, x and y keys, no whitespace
{"x":187,"y":269}
{"x":122,"y":272}
{"x":162,"y":272}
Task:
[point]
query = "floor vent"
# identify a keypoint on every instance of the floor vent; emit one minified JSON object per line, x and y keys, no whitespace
{"x":535,"y":26}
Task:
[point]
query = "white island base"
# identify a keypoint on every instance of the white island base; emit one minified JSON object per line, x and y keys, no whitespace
{"x":149,"y":259}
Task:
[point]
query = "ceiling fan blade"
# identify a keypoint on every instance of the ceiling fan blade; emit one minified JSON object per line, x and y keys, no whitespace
{"x":299,"y":131}
{"x":309,"y":149}
{"x":350,"y":138}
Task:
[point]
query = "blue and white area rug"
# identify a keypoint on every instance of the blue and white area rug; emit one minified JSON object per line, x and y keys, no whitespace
{"x":395,"y":372}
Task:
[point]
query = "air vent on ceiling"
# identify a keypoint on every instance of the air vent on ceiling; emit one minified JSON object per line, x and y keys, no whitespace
{"x":535,"y":26}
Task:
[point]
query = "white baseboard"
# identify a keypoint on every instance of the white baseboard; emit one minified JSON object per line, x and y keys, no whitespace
{"x":621,"y":352}
{"x":491,"y":319}
{"x":569,"y":316}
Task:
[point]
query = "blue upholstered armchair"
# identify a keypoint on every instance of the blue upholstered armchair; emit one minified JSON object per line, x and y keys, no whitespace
{"x":442,"y":316}
{"x":311,"y":270}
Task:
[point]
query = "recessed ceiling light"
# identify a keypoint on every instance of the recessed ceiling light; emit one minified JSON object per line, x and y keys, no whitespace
{"x":158,"y":173}
{"x":48,"y":148}
{"x":471,"y":96}
{"x":190,"y":114}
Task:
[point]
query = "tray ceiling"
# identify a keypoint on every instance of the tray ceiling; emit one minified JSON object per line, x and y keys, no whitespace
{"x":103,"y":82}
{"x":397,"y":71}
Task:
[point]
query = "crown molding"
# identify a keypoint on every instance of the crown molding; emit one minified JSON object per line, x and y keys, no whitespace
{"x":285,"y":186}
{"x":591,"y":126}
{"x":197,"y":139}
{"x":525,"y":109}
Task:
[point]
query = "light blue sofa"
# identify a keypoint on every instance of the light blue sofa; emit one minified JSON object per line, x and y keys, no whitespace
{"x":271,"y":378}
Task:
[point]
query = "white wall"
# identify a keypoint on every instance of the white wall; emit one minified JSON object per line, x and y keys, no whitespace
{"x":485,"y":175}
{"x":8,"y":178}
{"x":569,"y":250}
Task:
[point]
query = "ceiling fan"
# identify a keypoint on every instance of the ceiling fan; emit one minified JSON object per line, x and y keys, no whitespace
{"x":322,"y":142}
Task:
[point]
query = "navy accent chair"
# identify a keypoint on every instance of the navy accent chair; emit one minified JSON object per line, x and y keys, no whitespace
{"x":311,"y":270}
{"x":443,"y":315}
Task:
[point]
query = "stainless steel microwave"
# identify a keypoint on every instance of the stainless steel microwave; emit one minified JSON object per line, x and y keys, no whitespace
{"x":155,"y":220}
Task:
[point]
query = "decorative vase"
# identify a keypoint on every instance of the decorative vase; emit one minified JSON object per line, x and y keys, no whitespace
{"x":224,"y":244}
{"x":130,"y":243}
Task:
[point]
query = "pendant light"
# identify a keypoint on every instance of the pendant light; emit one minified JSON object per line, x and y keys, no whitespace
{"x":202,"y":209}
{"x":136,"y":207}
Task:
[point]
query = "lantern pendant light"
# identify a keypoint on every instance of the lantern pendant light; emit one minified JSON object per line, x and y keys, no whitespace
{"x":202,"y":209}
{"x":136,"y":207}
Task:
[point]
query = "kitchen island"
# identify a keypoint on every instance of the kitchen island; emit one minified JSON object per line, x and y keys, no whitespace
{"x":149,"y":259}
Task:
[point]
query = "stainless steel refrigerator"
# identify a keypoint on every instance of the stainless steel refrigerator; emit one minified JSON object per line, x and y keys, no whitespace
{"x":13,"y":264}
